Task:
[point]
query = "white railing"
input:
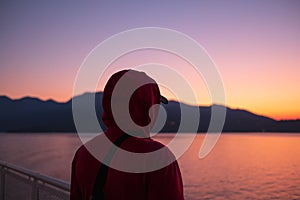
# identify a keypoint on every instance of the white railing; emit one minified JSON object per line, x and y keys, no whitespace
{"x":20,"y":183}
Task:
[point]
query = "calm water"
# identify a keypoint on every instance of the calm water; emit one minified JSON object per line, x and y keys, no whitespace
{"x":241,"y":166}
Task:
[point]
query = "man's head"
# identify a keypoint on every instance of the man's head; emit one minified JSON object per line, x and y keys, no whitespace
{"x":133,"y":95}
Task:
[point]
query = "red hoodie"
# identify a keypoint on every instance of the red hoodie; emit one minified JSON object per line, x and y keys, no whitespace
{"x":164,"y":183}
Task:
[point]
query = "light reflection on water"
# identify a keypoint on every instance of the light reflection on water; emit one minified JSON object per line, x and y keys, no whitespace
{"x":241,"y":166}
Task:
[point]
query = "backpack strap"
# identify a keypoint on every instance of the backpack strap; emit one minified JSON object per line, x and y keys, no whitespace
{"x":98,"y":193}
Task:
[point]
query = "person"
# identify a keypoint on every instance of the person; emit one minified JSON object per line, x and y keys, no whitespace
{"x":164,"y":183}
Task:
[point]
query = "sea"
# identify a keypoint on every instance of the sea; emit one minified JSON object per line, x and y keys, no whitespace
{"x":240,"y":166}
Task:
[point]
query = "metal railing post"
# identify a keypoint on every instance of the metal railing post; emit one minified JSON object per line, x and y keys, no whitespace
{"x":35,"y":192}
{"x":2,"y":182}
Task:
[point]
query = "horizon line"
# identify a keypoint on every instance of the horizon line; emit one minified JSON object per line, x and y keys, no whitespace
{"x":200,"y":105}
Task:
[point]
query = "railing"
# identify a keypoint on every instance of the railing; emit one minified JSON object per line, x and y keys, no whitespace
{"x":20,"y":183}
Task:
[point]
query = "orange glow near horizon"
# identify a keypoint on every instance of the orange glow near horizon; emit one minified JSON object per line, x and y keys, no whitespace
{"x":273,"y":96}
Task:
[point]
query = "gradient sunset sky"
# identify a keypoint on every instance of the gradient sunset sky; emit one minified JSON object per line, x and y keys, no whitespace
{"x":255,"y":45}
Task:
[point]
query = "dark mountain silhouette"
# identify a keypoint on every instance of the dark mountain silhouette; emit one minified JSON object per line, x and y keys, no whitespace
{"x":34,"y":115}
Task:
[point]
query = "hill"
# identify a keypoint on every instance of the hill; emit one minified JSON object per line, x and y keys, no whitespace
{"x":34,"y":115}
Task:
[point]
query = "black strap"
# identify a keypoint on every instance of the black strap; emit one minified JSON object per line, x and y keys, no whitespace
{"x":98,"y":193}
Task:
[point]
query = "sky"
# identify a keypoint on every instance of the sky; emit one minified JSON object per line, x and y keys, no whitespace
{"x":255,"y":46}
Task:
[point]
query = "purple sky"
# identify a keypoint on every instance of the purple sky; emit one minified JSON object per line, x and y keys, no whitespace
{"x":255,"y":45}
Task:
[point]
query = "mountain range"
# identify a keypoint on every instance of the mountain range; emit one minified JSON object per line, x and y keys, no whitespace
{"x":34,"y":115}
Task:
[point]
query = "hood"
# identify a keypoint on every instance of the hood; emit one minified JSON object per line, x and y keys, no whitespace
{"x":133,"y":109}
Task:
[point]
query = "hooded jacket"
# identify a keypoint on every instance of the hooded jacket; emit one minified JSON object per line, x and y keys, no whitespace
{"x":164,"y":183}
